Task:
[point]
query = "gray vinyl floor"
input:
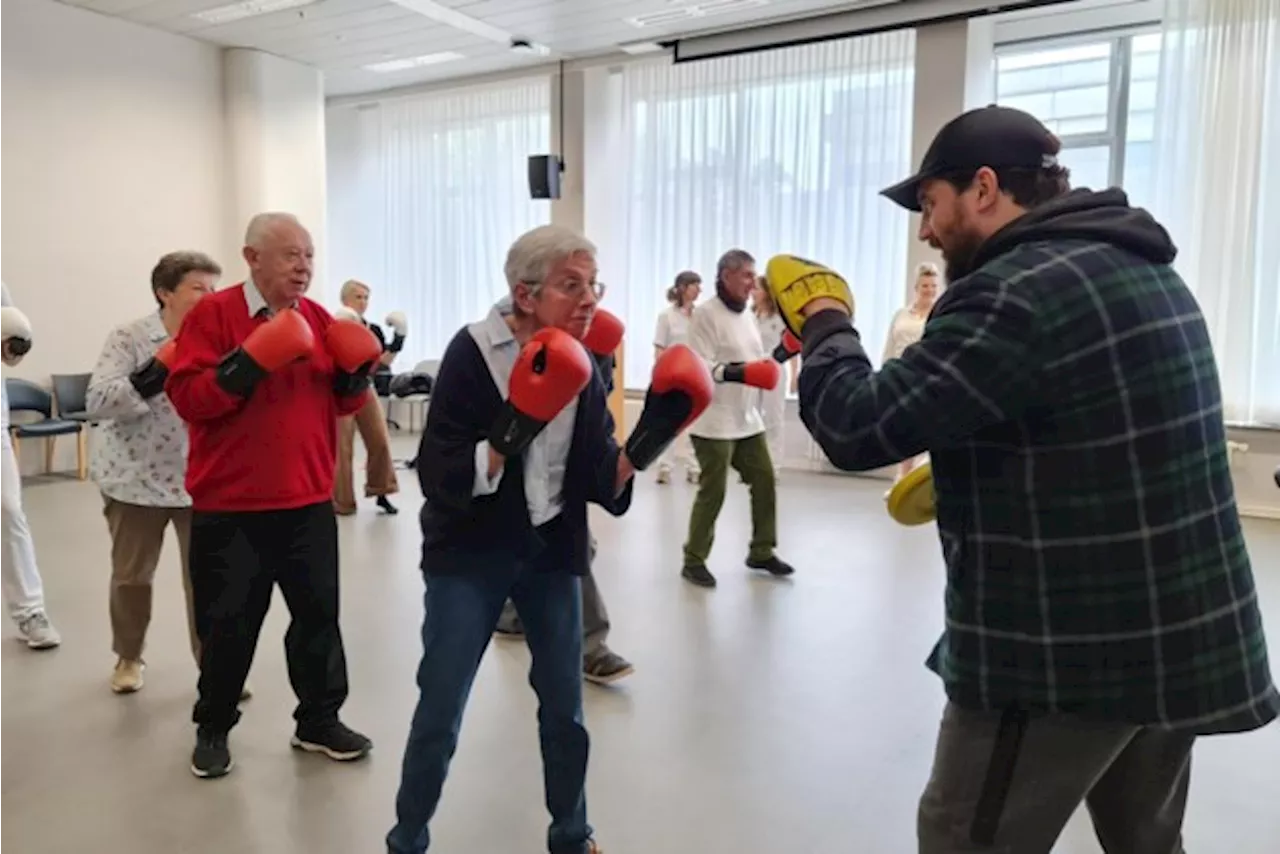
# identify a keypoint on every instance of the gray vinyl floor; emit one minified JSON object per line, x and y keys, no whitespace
{"x":764,"y":716}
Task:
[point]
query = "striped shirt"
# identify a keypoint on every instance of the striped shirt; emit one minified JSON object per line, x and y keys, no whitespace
{"x":1066,"y":390}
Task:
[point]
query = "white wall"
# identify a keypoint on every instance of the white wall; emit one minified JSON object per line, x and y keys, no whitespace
{"x":275,"y":133}
{"x":113,"y":155}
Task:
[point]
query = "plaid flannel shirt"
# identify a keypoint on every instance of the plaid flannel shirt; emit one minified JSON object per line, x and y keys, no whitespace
{"x":1067,"y":393}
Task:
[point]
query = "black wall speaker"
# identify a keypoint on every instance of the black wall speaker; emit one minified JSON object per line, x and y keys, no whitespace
{"x":544,"y":176}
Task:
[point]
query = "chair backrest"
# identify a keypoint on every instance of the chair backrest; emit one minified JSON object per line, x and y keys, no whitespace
{"x":25,"y":396}
{"x":430,"y":367}
{"x":71,"y":391}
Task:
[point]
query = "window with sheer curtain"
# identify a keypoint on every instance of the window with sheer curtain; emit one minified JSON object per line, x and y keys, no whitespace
{"x":1217,"y":184}
{"x":1182,"y":118}
{"x":778,"y":151}
{"x":426,"y":194}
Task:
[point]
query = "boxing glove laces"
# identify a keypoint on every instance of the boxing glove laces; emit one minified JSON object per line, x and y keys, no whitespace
{"x":762,"y":373}
{"x":355,"y":351}
{"x":679,"y":392}
{"x":551,"y":370}
{"x":149,"y":379}
{"x":284,"y":338}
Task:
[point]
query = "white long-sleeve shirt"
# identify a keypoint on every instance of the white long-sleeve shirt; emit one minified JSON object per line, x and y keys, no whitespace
{"x":140,"y":446}
{"x":547,"y":456}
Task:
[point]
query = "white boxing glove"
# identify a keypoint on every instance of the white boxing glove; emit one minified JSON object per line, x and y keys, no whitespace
{"x":399,"y":322}
{"x":15,"y":330}
{"x":346,"y":313}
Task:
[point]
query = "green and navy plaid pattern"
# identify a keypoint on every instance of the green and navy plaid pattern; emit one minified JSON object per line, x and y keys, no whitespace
{"x":1068,"y":396}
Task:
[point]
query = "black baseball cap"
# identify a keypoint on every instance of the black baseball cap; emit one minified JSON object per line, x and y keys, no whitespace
{"x":992,"y":136}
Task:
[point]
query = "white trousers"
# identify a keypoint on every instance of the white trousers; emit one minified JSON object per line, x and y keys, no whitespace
{"x":23,"y":592}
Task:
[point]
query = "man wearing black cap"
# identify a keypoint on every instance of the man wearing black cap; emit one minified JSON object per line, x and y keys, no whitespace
{"x":1101,"y":612}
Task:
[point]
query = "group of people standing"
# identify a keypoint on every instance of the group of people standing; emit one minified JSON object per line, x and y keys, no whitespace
{"x":1101,"y":610}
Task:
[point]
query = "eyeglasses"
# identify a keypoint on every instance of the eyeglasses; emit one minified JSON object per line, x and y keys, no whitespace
{"x":575,"y":289}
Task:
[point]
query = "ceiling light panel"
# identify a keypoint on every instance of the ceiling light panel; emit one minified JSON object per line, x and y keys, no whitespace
{"x":693,"y":12}
{"x":247,"y":9}
{"x":453,"y":18}
{"x":412,"y":62}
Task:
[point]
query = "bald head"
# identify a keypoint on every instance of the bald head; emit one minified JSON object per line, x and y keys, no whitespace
{"x":280,"y":256}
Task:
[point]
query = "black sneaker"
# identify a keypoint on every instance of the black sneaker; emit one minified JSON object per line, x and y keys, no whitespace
{"x":335,"y":740}
{"x":699,"y":575}
{"x":211,"y":758}
{"x":773,"y":565}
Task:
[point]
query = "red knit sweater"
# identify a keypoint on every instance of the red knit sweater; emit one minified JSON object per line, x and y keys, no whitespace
{"x":274,"y":451}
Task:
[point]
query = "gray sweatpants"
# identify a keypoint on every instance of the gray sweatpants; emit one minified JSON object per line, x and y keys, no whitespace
{"x":595,"y":618}
{"x":1007,"y":784}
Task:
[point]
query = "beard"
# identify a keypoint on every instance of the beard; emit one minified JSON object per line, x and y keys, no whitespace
{"x":958,"y":251}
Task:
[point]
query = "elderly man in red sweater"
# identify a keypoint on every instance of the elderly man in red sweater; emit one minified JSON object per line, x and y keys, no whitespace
{"x":261,"y":375}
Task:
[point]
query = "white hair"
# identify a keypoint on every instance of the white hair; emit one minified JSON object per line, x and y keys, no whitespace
{"x":535,"y":252}
{"x":263,"y":223}
{"x":927,"y":268}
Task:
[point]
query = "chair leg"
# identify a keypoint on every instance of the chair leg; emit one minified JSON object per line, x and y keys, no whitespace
{"x":17,"y":451}
{"x":82,"y":454}
{"x":48,"y":453}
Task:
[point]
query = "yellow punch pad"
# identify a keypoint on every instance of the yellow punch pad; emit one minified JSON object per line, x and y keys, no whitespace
{"x":911,"y":499}
{"x":795,"y":282}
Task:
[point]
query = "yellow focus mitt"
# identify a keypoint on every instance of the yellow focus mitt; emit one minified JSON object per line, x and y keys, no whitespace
{"x":911,"y":500}
{"x":794,"y":282}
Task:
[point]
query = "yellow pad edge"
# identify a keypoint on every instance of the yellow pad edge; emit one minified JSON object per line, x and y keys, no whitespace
{"x":911,"y":500}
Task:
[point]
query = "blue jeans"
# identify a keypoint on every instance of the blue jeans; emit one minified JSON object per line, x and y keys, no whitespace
{"x":461,"y":613}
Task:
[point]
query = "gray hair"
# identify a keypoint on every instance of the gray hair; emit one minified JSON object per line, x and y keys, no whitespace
{"x":734,"y":259}
{"x":263,"y":223}
{"x":926,"y":268}
{"x":535,"y":252}
{"x":349,"y":288}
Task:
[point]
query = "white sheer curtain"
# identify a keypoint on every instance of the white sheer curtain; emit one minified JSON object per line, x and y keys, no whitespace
{"x":779,"y":151}
{"x":1217,"y":184}
{"x":426,"y":194}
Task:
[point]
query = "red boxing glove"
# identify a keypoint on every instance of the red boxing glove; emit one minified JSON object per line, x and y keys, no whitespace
{"x":166,"y":353}
{"x":604,"y":334}
{"x":789,"y":346}
{"x":762,"y":373}
{"x":680,"y":391}
{"x":355,"y":351}
{"x":551,"y":371}
{"x":284,"y":338}
{"x":149,"y":379}
{"x":353,"y":347}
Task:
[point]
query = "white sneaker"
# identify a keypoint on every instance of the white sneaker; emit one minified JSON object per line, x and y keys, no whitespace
{"x":664,"y":474}
{"x":38,"y":632}
{"x":692,"y":475}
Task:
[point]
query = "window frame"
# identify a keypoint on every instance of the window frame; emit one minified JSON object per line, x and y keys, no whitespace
{"x":1119,"y":83}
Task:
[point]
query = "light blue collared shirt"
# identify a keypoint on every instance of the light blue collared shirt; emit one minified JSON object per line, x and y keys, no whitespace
{"x":546,"y":457}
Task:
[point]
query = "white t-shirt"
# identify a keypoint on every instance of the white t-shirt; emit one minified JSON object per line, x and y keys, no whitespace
{"x":907,"y":328}
{"x":721,"y":336}
{"x":673,"y":328}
